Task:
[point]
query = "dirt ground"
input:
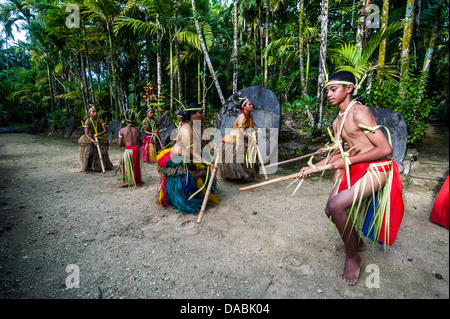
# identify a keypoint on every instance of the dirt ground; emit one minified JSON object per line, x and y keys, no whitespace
{"x":58,"y":224}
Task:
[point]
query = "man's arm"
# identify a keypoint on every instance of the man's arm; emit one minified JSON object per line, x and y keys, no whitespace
{"x":120,"y":138}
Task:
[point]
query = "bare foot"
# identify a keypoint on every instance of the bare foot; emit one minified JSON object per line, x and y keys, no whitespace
{"x":351,"y":269}
{"x":342,"y":249}
{"x":124,"y":184}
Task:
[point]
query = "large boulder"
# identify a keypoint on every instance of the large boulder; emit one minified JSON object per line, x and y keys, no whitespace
{"x":70,"y":127}
{"x":396,"y":124}
{"x":165,"y":127}
{"x":113,"y":131}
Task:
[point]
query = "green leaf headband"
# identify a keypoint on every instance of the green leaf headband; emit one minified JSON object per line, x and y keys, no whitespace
{"x":339,"y":82}
{"x":192,"y":107}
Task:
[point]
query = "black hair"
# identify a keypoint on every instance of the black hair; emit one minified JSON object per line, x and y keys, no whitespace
{"x":192,"y":108}
{"x":348,"y":77}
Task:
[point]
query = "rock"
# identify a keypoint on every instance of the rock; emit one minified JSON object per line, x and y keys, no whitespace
{"x":396,"y":124}
{"x":37,"y":127}
{"x":113,"y":131}
{"x":51,"y":129}
{"x":165,"y":127}
{"x":70,"y":127}
{"x":266,"y":116}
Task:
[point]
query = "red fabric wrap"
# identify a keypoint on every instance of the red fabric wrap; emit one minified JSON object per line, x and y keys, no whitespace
{"x":397,"y":207}
{"x":136,"y":163}
{"x":439,"y":214}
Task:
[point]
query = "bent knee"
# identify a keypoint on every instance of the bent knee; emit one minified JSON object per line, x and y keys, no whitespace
{"x":334,"y":207}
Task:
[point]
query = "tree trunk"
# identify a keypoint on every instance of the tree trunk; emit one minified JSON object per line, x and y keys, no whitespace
{"x":384,"y":23}
{"x":158,"y":59}
{"x":113,"y":71}
{"x":322,"y":66}
{"x":82,"y":82}
{"x":300,"y":47}
{"x":180,"y":84}
{"x":266,"y":62}
{"x":361,"y":32}
{"x":429,"y":52}
{"x":205,"y":51}
{"x":407,"y":38}
{"x":235,"y":49}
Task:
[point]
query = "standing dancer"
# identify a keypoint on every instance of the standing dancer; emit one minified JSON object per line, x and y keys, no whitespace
{"x":88,"y":151}
{"x":240,"y":147}
{"x":131,"y":164}
{"x":184,"y":171}
{"x":369,"y":186}
{"x":151,"y":141}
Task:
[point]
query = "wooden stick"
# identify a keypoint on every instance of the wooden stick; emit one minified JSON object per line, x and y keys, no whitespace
{"x":208,"y":190}
{"x":172,"y":141}
{"x":261,"y":162}
{"x":295,"y":159}
{"x":100,"y":154}
{"x":287,"y":177}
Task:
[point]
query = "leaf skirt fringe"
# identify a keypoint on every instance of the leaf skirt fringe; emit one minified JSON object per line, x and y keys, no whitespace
{"x":183,"y":185}
{"x":379,"y":216}
{"x":88,"y":154}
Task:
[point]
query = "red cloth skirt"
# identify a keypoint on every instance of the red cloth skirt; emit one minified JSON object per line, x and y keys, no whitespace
{"x":397,"y":207}
{"x":439,"y":214}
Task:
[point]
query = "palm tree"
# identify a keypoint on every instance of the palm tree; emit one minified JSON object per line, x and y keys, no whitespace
{"x":106,"y":12}
{"x":205,"y":51}
{"x":350,"y":58}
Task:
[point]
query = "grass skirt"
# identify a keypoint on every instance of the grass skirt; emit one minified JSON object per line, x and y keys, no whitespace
{"x":133,"y":167}
{"x":183,"y":185}
{"x":238,"y":161}
{"x":88,"y":154}
{"x":150,"y":147}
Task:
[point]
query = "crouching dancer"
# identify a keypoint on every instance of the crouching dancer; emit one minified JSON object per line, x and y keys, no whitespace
{"x":368,"y":187}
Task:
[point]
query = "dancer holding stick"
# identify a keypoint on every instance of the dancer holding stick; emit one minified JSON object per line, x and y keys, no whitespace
{"x":367,"y":176}
{"x":93,"y":147}
{"x":240,"y":147}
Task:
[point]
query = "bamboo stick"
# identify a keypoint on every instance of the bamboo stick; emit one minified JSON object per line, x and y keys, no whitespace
{"x":262,"y":163}
{"x":208,"y":190}
{"x":100,"y":154}
{"x":287,"y":177}
{"x":295,"y":159}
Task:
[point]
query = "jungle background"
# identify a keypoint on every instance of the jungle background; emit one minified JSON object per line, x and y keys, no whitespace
{"x":118,"y":55}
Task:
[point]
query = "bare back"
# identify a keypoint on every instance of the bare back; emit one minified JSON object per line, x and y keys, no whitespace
{"x":130,"y":136}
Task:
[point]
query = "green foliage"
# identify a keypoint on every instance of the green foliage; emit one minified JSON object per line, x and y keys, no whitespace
{"x":58,"y":117}
{"x":413,"y":104}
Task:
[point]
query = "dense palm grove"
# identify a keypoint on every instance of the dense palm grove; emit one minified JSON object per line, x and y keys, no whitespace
{"x":119,"y":55}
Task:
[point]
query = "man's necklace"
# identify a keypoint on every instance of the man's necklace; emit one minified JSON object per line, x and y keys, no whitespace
{"x":353,"y":102}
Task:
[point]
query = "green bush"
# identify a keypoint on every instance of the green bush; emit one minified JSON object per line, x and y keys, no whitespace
{"x":413,"y":104}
